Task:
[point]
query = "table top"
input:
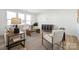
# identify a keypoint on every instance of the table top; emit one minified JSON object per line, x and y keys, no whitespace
{"x":9,"y":34}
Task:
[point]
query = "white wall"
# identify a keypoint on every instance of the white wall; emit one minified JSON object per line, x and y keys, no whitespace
{"x":3,"y":21}
{"x":34,"y":19}
{"x":3,"y":18}
{"x":62,"y":18}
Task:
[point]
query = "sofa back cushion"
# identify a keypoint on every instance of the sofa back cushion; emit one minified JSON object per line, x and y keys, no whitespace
{"x":47,"y":27}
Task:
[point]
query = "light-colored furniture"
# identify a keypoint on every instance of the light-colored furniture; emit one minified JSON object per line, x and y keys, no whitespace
{"x":34,"y":28}
{"x":53,"y":38}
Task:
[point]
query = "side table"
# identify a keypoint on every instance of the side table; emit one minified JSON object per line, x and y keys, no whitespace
{"x":11,"y":42}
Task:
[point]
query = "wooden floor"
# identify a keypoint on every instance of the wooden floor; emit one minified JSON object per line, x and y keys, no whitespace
{"x":35,"y":43}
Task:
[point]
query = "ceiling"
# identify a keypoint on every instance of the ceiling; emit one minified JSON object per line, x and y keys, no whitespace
{"x":36,"y":11}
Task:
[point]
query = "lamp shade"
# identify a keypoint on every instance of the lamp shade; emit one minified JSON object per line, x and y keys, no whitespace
{"x":16,"y":21}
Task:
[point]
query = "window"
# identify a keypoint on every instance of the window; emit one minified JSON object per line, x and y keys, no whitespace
{"x":28,"y":19}
{"x":9,"y":16}
{"x":21,"y":16}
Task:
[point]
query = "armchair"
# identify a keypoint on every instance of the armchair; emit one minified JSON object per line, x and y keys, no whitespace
{"x":53,"y":38}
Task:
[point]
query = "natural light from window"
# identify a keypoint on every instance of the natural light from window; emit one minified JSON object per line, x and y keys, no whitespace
{"x":28,"y":19}
{"x":21,"y":16}
{"x":9,"y":16}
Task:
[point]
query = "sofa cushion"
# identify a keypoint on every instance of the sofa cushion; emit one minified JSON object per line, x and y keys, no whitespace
{"x":48,"y":38}
{"x":47,"y":27}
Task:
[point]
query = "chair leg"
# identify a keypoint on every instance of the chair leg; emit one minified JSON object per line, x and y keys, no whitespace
{"x":62,"y":43}
{"x":42,"y":38}
{"x":52,"y":43}
{"x":59,"y":45}
{"x":52,"y":46}
{"x":42,"y":41}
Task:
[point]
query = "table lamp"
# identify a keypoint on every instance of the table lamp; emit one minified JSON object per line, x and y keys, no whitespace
{"x":16,"y":21}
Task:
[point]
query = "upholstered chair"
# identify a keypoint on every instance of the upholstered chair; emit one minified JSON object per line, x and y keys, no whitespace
{"x":54,"y":38}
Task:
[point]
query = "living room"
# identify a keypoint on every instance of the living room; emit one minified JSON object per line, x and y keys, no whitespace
{"x":59,"y":18}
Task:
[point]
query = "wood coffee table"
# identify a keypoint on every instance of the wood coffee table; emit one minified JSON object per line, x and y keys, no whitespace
{"x":29,"y":32}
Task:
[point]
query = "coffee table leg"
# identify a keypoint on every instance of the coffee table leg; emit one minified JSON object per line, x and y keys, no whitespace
{"x":8,"y":46}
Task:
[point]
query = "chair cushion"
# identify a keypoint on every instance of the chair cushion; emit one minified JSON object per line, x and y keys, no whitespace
{"x":35,"y":27}
{"x":48,"y":38}
{"x":47,"y":27}
{"x":56,"y":35}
